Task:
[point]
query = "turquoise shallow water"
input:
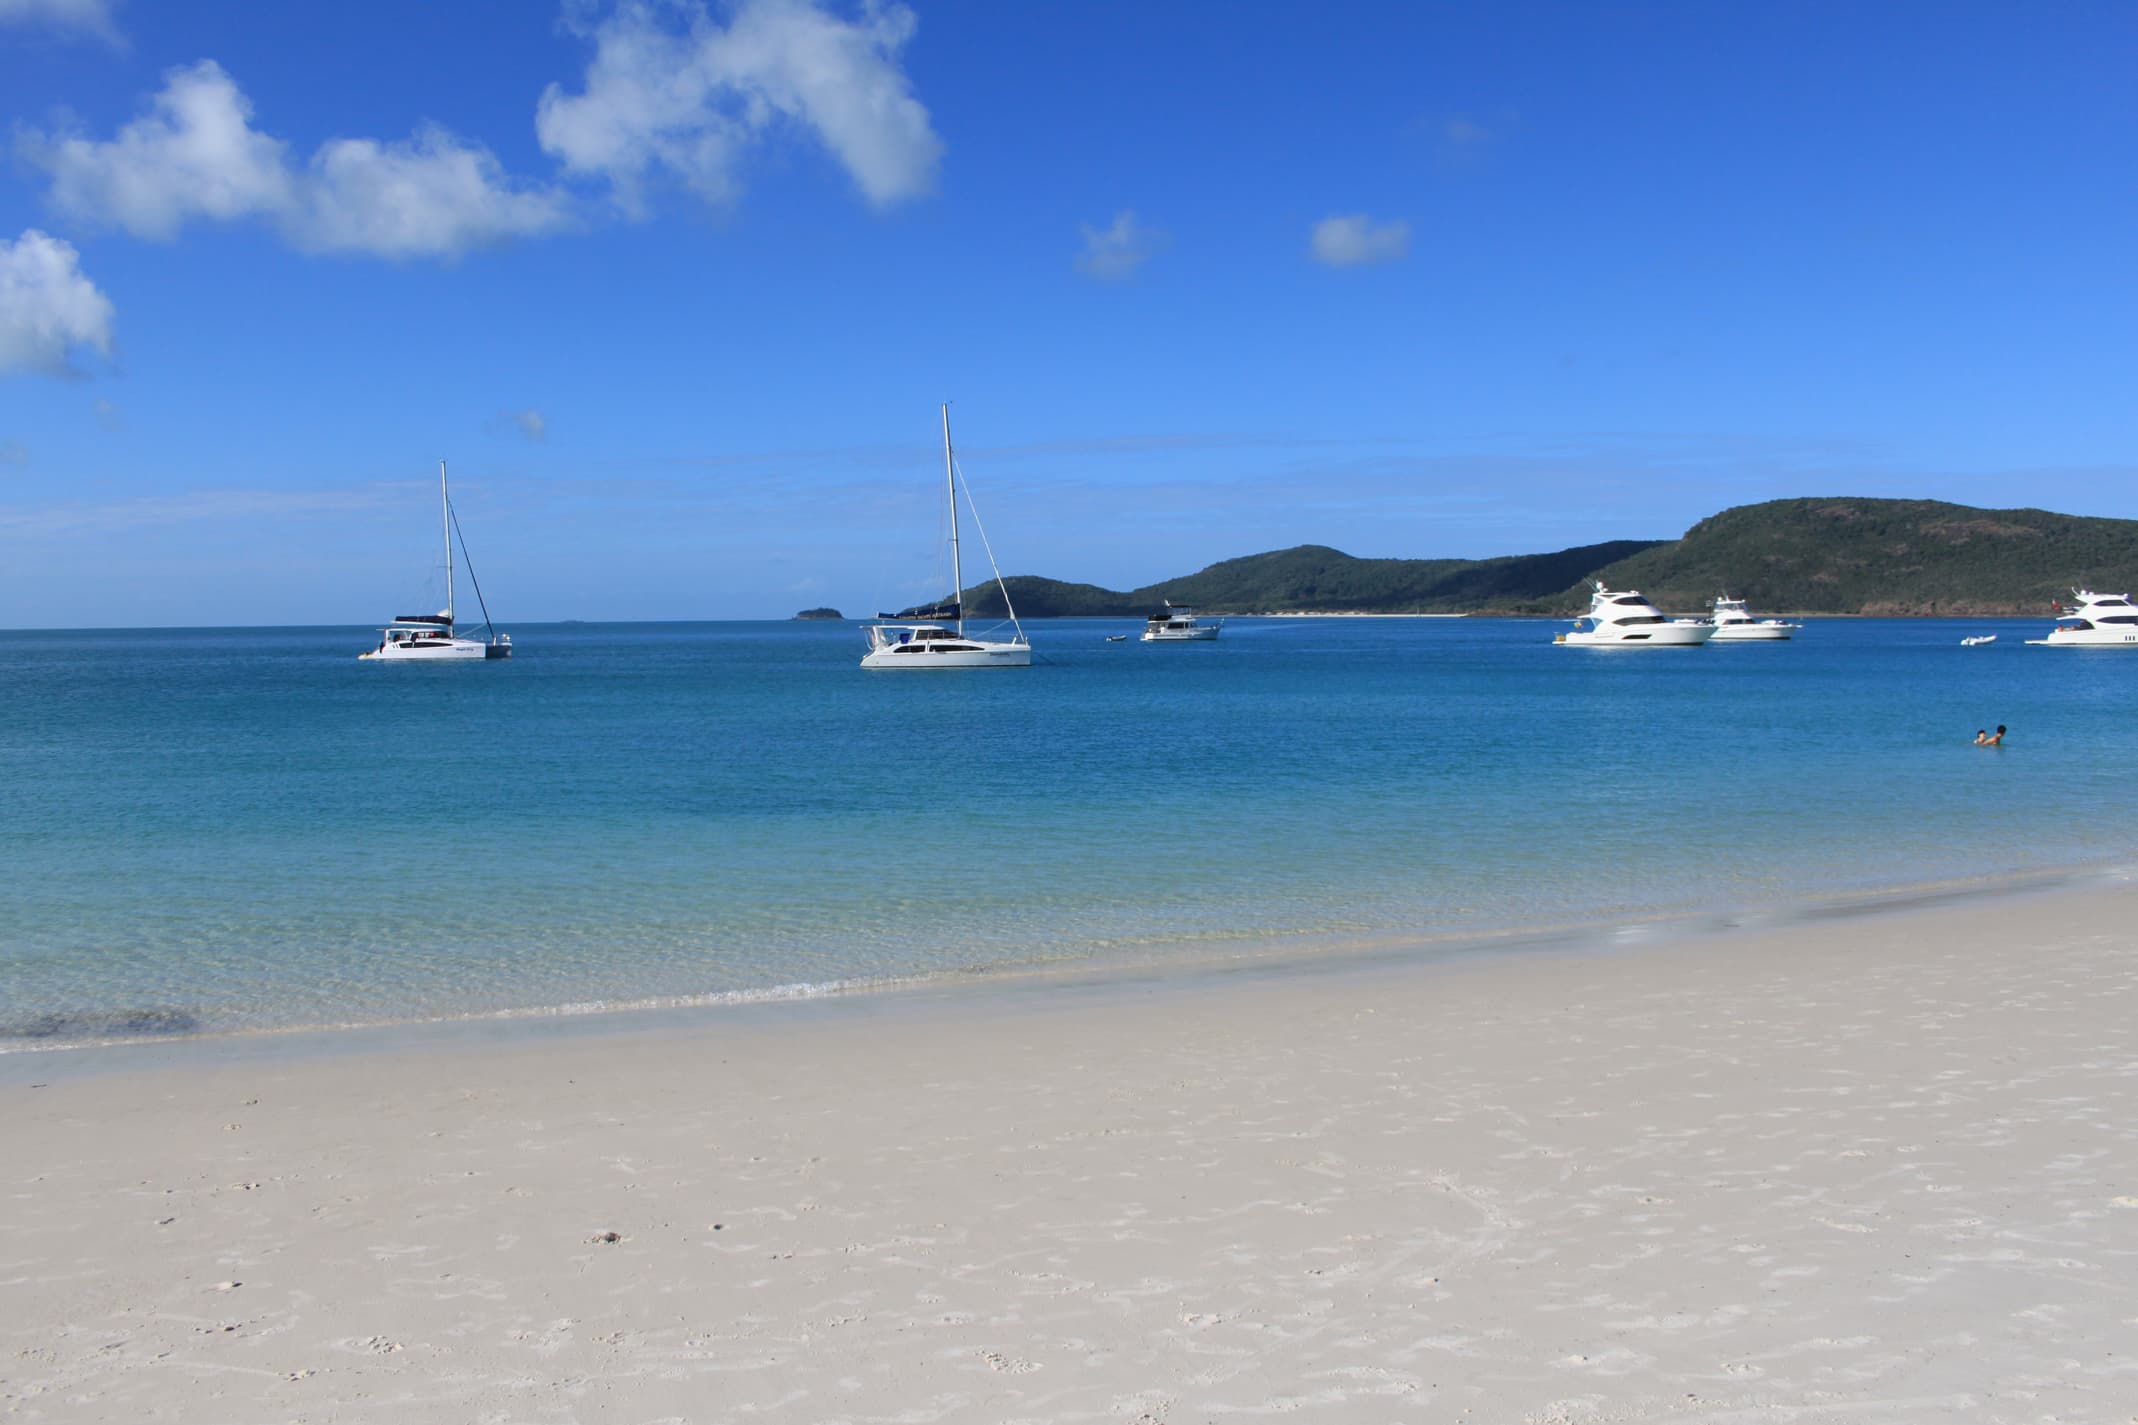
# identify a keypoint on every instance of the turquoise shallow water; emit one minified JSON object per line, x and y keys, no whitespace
{"x":213,"y":830}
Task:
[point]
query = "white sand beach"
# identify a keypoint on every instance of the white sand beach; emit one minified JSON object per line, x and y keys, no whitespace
{"x":1873,"y":1168}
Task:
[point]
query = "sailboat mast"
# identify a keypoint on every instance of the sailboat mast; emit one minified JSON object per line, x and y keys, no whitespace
{"x":957,"y":570}
{"x":445,"y":523}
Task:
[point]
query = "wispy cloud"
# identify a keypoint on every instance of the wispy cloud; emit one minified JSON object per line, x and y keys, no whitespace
{"x":1113,"y":253}
{"x":87,"y":17}
{"x":109,"y":415}
{"x":14,"y":456}
{"x":529,"y":423}
{"x":1358,"y":240}
{"x":1460,"y":131}
{"x":48,"y":309}
{"x":195,"y":155}
{"x":200,"y":506}
{"x":672,"y":92}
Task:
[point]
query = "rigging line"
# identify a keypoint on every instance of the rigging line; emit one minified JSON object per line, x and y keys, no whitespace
{"x":468,"y":564}
{"x":975,"y":509}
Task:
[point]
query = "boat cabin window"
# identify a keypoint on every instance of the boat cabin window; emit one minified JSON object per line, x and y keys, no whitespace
{"x":2118,"y":618}
{"x":1639,"y":618}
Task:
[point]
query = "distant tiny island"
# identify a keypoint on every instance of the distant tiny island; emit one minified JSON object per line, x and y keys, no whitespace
{"x":820,"y":613}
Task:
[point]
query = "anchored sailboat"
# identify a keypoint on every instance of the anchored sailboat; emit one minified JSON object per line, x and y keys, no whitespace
{"x":431,"y":636}
{"x":937,"y":639}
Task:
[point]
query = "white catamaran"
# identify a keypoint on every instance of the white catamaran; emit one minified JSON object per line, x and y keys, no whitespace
{"x":427,"y":637}
{"x":936,"y":636}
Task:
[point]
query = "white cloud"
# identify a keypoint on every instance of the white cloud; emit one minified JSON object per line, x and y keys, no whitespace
{"x":196,"y":154}
{"x":531,"y":424}
{"x":432,"y":195}
{"x":1355,"y":239}
{"x":670,"y":90}
{"x":88,"y":16}
{"x":47,"y":307}
{"x":1113,"y":254}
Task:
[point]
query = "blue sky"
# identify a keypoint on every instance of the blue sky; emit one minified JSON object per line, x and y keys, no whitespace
{"x":677,"y":289}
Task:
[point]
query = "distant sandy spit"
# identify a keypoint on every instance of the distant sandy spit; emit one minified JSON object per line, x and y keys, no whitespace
{"x":1870,"y":1169}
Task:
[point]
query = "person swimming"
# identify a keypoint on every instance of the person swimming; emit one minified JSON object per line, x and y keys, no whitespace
{"x":1996,"y":739}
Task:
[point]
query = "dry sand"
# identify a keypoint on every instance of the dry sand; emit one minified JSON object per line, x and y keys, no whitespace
{"x":1881,"y":1168}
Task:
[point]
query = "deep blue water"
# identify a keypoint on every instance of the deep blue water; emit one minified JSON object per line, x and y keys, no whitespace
{"x":247,"y":828}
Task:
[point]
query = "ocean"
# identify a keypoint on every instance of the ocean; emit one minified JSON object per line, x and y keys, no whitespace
{"x":219,"y":831}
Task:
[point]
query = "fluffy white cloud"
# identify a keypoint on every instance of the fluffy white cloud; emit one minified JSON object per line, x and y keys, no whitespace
{"x":432,"y":195}
{"x":90,"y":16}
{"x":47,"y":307}
{"x":196,"y":154}
{"x":531,"y":424}
{"x":1112,"y":254}
{"x":670,"y":90}
{"x":1355,"y":239}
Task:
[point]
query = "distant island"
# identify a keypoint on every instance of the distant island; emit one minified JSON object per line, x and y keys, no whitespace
{"x":820,"y":614}
{"x":1834,"y":555}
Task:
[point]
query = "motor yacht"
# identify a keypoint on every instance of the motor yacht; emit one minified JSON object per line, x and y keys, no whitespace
{"x":1179,"y":625}
{"x":1621,"y":618}
{"x":2098,"y":621}
{"x":1734,"y":625}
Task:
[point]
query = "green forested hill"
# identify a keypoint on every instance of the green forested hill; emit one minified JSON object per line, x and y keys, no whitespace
{"x":1314,"y":577}
{"x":1839,"y":555}
{"x":1862,"y":556}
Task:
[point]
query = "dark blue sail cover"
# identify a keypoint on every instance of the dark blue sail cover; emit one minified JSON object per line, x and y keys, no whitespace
{"x":947,"y":610}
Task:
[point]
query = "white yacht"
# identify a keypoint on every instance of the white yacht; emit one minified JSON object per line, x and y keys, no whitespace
{"x":2098,"y":621}
{"x":1734,"y":625}
{"x":1621,"y":618}
{"x":432,"y":637}
{"x":1179,"y":625}
{"x":935,"y":635}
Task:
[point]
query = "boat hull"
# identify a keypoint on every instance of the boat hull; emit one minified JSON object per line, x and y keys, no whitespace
{"x":1662,"y":636}
{"x":1752,"y":633}
{"x":459,"y":650}
{"x":1180,"y":635}
{"x":921,"y":658}
{"x":2087,"y":638}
